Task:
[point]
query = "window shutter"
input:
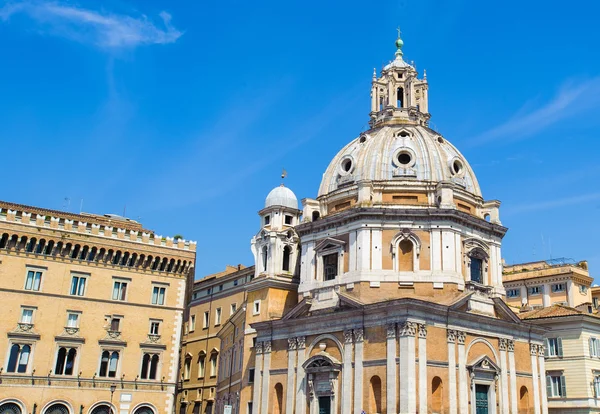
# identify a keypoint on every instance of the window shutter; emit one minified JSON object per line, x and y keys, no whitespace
{"x":591,"y":347}
{"x":560,"y":347}
{"x":549,"y":386}
{"x":546,"y":348}
{"x":563,"y":387}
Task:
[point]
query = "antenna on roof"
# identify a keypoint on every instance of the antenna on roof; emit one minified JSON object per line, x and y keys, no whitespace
{"x":66,"y":203}
{"x":283,"y":175}
{"x":81,"y":206}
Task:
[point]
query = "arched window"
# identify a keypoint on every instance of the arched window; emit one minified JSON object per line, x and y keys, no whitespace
{"x":67,"y":250}
{"x":400,"y":98}
{"x":523,"y":400}
{"x":92,"y":256}
{"x":156,"y":263}
{"x":75,"y":251}
{"x":375,"y":395}
{"x":101,"y":409}
{"x":476,"y":270}
{"x":201,"y":364}
{"x":57,"y":408}
{"x":109,"y":363}
{"x":163,"y":265}
{"x":437,"y":395}
{"x":381,"y":103}
{"x":265,"y":257}
{"x":278,"y":399}
{"x":287,"y":252}
{"x":40,"y":246}
{"x":84,"y":253}
{"x":4,"y":241}
{"x":171,"y":265}
{"x":31,"y":245}
{"x":59,"y":249}
{"x":405,"y":256}
{"x":133,"y":260}
{"x":18,"y":359}
{"x":65,"y":361}
{"x":117,"y":257}
{"x":14,"y":241}
{"x":187,"y":368}
{"x":153,"y":367}
{"x":213,"y":363}
{"x":49,"y":248}
{"x":125,"y":259}
{"x":10,"y":408}
{"x":146,"y":410}
{"x":316,"y":215}
{"x":184,"y":267}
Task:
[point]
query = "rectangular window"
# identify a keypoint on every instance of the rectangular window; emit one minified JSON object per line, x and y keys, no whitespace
{"x":213,"y":365}
{"x":535,"y":290}
{"x":267,"y":220}
{"x":554,"y":347}
{"x":33,"y":280}
{"x":27,"y":315}
{"x":513,"y":293}
{"x":192,"y":323}
{"x":330,"y":266}
{"x":78,"y":283}
{"x":201,"y":365}
{"x":235,"y":282}
{"x":556,"y":386}
{"x":233,"y":308}
{"x":218,"y":316}
{"x":595,"y":302}
{"x":154,"y":327}
{"x":208,"y":291}
{"x":119,"y":290}
{"x":256,"y":307}
{"x":558,"y":287}
{"x":205,"y":322}
{"x":72,"y":319}
{"x":115,"y":324}
{"x":597,"y":386}
{"x":220,"y":288}
{"x":288,"y":219}
{"x":251,"y":376}
{"x":158,"y":295}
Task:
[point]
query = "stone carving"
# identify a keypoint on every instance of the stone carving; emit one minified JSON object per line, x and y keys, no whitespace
{"x":511,"y":345}
{"x":541,"y":350}
{"x":461,"y":337}
{"x":348,"y":336}
{"x":422,"y":330}
{"x":502,"y":344}
{"x":451,"y":335}
{"x":153,"y":339}
{"x":311,"y":388}
{"x":533,"y":349}
{"x":301,"y":342}
{"x":24,"y":327}
{"x":258,"y":348}
{"x":408,"y":329}
{"x":267,"y":347}
{"x":358,"y":335}
{"x":292,"y":344}
{"x":391,"y":330}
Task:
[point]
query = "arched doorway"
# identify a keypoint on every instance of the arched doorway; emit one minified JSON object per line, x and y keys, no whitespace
{"x":405,"y":256}
{"x":375,"y":395}
{"x":437,"y":395}
{"x":523,"y":400}
{"x":278,"y":399}
{"x":10,"y":408}
{"x":322,"y":372}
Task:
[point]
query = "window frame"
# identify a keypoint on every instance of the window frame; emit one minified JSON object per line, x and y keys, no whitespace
{"x":218,"y":316}
{"x":68,"y":348}
{"x":539,"y":290}
{"x":80,"y":277}
{"x":78,"y":319}
{"x":554,"y":289}
{"x":192,"y":323}
{"x":256,"y":307}
{"x":155,"y":298}
{"x":554,"y":348}
{"x":206,"y":320}
{"x":35,"y":270}
{"x":25,"y":308}
{"x":232,"y":308}
{"x":29,"y":364}
{"x":148,"y":365}
{"x":158,"y":323}
{"x":557,"y":385}
{"x":121,"y":296}
{"x":110,"y":351}
{"x":516,"y":295}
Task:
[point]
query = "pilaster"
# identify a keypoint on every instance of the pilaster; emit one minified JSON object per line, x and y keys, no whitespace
{"x":542,"y":367}
{"x":463,"y":386}
{"x":300,"y":375}
{"x":264,"y":403}
{"x":347,"y":373}
{"x":358,"y":370}
{"x":514,"y":407}
{"x":289,"y":395}
{"x":391,"y":369}
{"x":423,"y":369}
{"x":503,"y":346}
{"x":258,"y":363}
{"x":408,"y":389}
{"x":535,"y":378}
{"x":451,"y":336}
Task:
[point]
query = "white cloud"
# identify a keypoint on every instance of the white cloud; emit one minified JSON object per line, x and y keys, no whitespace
{"x":104,"y":29}
{"x":573,"y":98}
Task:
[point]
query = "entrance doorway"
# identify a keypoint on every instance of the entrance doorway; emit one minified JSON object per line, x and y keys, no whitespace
{"x":481,"y":399}
{"x":325,"y":405}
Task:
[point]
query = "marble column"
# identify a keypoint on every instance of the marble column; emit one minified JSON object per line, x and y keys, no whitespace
{"x":535,"y":379}
{"x":514,"y":407}
{"x":358,"y":370}
{"x":258,"y":349}
{"x":423,"y":369}
{"x":264,"y":401}
{"x":503,"y":346}
{"x":289,"y":395}
{"x":300,"y":376}
{"x":451,"y":371}
{"x":347,"y":373}
{"x":542,"y":369}
{"x":408,"y":389}
{"x":463,"y":386}
{"x":391,"y":369}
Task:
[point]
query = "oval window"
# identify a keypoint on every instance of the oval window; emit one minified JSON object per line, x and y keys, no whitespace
{"x":404,"y":158}
{"x":457,"y":167}
{"x":347,"y":165}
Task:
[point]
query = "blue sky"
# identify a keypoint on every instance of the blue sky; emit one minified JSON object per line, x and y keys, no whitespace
{"x":184,"y":113}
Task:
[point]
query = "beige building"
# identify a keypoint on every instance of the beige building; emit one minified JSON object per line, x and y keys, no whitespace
{"x":546,"y":283}
{"x":92,"y":313}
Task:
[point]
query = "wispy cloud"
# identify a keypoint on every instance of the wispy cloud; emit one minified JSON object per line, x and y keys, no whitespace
{"x":572,"y":98}
{"x":101,"y":28}
{"x":549,"y":204}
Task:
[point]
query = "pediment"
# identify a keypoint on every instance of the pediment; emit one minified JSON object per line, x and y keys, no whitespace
{"x":298,"y":311}
{"x":329,"y":243}
{"x":483,"y":364}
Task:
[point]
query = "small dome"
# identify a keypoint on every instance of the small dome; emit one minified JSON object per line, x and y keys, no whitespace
{"x":281,"y":196}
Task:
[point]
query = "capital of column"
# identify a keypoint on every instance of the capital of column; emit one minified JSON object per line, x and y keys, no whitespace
{"x":541,"y":350}
{"x":451,"y":335}
{"x":511,"y":345}
{"x":292,"y":344}
{"x":358,"y":335}
{"x":300,"y":342}
{"x":258,"y":348}
{"x":391,"y":330}
{"x":503,"y":344}
{"x":348,"y":336}
{"x":267,"y":347}
{"x":461,"y":337}
{"x":533,"y":349}
{"x":422,"y":330}
{"x":407,"y":329}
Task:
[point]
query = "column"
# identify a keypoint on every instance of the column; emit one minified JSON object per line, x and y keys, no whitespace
{"x":546,"y":295}
{"x":257,"y":376}
{"x":264,"y":401}
{"x":423,"y":369}
{"x":289,"y":395}
{"x":463,"y":386}
{"x":451,"y":371}
{"x":347,"y":373}
{"x":542,"y":366}
{"x":513,"y":377}
{"x":503,"y":345}
{"x":358,"y":370}
{"x":535,"y":379}
{"x":570,"y":293}
{"x":391,"y":369}
{"x":408,"y":389}
{"x":300,"y":376}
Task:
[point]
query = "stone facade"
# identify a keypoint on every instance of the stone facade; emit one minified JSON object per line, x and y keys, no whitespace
{"x":92,"y":313}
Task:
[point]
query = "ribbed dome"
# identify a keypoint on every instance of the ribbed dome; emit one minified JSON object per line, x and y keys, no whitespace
{"x":281,"y":196}
{"x":397,"y":154}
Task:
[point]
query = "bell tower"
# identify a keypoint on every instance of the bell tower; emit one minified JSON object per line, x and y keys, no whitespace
{"x":398,"y":96}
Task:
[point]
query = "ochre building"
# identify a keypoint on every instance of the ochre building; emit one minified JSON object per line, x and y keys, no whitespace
{"x":92,"y":313}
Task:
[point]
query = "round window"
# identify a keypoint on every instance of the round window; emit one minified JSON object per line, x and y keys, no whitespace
{"x":440,"y":140}
{"x":404,"y":158}
{"x":347,"y":165}
{"x":457,"y":167}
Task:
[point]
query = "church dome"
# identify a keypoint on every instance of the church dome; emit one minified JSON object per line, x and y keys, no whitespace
{"x":281,"y":196}
{"x":399,"y":156}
